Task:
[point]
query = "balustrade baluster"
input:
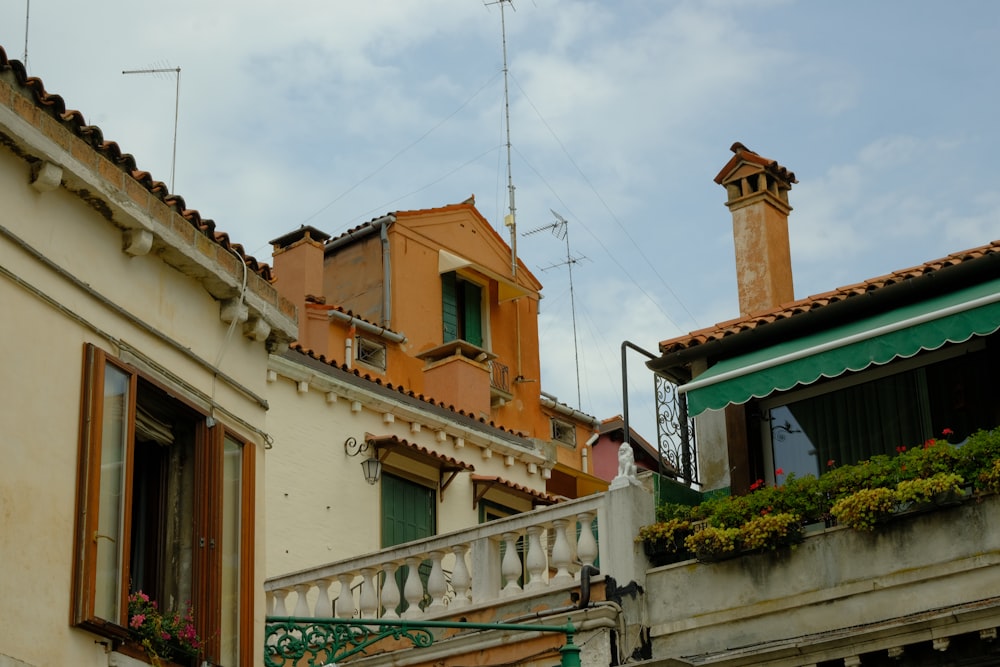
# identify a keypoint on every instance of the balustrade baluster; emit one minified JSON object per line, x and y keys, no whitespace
{"x":586,"y":546}
{"x":301,"y":603}
{"x":345,"y":599}
{"x":534,"y":560}
{"x":413,"y":588}
{"x":279,"y":602}
{"x":324,"y":608}
{"x":562,"y":555}
{"x":437,"y":585}
{"x":510,"y":567}
{"x":390,"y":591}
{"x":368,"y":599}
{"x":460,"y":578}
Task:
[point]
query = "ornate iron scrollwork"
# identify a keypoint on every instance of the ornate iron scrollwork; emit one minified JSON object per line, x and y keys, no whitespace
{"x":674,"y":430}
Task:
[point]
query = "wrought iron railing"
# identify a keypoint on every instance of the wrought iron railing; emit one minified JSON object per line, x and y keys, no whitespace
{"x":675,"y":430}
{"x":325,"y":641}
{"x":499,"y":376}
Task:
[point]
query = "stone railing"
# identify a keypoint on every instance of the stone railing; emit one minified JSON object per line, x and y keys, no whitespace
{"x":526,"y":554}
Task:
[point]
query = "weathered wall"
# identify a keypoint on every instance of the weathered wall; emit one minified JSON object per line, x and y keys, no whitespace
{"x":834,"y":580}
{"x":47,"y":320}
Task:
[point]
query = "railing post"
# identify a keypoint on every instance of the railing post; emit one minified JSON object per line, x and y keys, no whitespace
{"x":486,"y":576}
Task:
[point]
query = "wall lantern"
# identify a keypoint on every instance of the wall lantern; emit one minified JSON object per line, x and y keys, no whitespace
{"x":371,"y":466}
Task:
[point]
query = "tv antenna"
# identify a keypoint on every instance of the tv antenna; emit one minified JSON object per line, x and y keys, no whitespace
{"x":511,"y":218}
{"x":560,"y":229}
{"x":27,"y":17}
{"x":156,"y":71}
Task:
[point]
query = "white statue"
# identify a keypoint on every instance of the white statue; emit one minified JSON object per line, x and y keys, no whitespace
{"x":627,"y":472}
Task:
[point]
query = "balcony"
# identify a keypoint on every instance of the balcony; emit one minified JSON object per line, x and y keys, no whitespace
{"x":499,"y":384}
{"x":918,"y":586}
{"x":538,"y":555}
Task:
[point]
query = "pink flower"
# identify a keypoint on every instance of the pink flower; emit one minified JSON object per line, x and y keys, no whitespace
{"x":137,"y":620}
{"x":165,"y":636}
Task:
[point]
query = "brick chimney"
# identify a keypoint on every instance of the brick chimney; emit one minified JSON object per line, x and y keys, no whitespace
{"x":298,"y":270}
{"x":757,"y":195}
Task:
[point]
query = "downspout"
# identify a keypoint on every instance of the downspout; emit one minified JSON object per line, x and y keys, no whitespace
{"x":385,"y":221}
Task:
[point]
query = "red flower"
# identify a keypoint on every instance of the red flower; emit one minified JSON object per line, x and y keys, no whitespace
{"x":830,"y":463}
{"x":779,"y":471}
{"x":900,"y":449}
{"x":946,"y":432}
{"x":756,"y":485}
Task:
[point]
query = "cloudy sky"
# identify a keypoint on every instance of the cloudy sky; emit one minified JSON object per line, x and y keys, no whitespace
{"x":331,"y":112}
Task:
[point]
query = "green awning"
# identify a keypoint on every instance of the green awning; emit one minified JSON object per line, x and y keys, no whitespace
{"x":900,"y":333}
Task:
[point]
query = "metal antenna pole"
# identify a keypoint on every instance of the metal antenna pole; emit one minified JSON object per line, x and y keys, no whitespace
{"x":560,"y":229}
{"x":27,"y":17}
{"x":511,"y":219}
{"x":177,"y":102}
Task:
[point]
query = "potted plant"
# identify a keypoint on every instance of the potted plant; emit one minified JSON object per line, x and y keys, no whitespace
{"x":928,"y":492}
{"x":164,"y":637}
{"x":865,"y":508}
{"x":770,"y":532}
{"x":663,"y":541}
{"x":713,"y":543}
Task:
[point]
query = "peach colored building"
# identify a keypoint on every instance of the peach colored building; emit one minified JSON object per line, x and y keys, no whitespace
{"x":430,"y":300}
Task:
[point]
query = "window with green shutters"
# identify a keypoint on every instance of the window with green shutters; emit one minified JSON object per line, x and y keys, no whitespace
{"x":461,"y":309}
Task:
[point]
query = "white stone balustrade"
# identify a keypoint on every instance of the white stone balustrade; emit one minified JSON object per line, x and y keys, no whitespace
{"x":526,"y":554}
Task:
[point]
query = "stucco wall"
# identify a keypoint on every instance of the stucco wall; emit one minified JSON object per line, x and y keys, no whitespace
{"x":47,"y":320}
{"x":834,"y":580}
{"x":320,"y":508}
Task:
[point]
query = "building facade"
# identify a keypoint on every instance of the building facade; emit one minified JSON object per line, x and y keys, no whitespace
{"x":134,"y":411}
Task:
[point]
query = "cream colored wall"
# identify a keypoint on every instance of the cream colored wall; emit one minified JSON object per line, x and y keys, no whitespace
{"x":41,"y":391}
{"x":319,"y":507}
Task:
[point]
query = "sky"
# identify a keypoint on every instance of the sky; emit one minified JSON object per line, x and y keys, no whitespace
{"x":330,"y":113}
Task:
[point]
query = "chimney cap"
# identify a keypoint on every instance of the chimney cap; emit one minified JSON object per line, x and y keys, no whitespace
{"x":743,"y":154}
{"x":296,"y":235}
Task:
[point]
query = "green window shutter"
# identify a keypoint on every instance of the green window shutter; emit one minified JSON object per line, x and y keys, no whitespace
{"x":449,"y":307}
{"x":473,"y":316}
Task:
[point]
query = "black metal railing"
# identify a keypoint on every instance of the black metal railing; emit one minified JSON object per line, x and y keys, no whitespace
{"x":499,"y":376}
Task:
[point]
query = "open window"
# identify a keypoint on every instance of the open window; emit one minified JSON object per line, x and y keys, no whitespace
{"x":164,"y":507}
{"x":461,"y":309}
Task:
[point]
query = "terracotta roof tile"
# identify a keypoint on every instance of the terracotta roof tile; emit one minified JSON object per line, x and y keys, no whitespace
{"x":487,"y":481}
{"x":14,"y":73}
{"x":394,"y":442}
{"x":402,"y":390}
{"x":818,"y":301}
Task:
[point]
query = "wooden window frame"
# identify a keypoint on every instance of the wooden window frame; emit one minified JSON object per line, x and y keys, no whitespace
{"x":207,"y":520}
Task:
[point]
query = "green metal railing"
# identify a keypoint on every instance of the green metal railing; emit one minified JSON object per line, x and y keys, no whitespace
{"x":290,"y":640}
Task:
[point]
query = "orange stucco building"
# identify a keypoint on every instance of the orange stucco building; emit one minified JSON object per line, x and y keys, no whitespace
{"x":431,"y":301}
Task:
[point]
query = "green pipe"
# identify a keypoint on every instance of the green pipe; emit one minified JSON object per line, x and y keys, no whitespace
{"x":567,"y":629}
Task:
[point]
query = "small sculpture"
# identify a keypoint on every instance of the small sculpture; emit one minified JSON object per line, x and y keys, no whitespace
{"x":627,"y":471}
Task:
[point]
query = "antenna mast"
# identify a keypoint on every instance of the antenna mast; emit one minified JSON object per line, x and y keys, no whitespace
{"x":27,"y":17}
{"x":511,"y":218}
{"x":177,"y":102}
{"x":560,"y":229}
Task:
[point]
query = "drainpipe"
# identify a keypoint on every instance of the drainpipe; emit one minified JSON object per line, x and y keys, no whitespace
{"x":367,"y":327}
{"x":548,"y":401}
{"x":386,"y":272}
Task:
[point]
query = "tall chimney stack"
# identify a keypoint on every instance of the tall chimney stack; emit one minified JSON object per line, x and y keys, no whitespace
{"x":757,"y":195}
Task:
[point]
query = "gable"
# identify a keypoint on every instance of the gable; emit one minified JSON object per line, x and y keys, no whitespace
{"x":461,"y":232}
